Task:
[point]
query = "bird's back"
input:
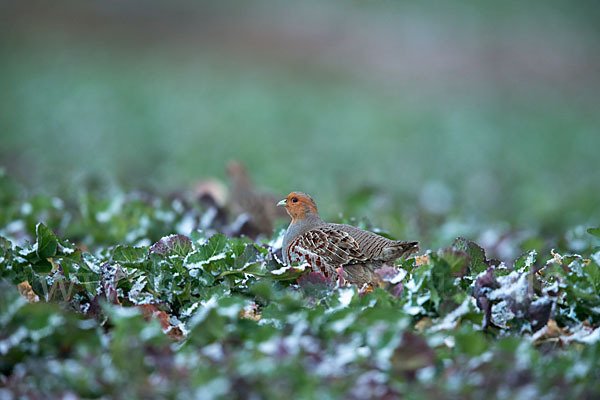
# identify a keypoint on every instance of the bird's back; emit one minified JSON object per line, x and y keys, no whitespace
{"x":375,"y":246}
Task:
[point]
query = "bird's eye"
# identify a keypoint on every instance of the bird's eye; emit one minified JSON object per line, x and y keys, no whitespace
{"x":295,"y":200}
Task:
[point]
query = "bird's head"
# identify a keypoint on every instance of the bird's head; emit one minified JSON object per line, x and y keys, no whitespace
{"x":299,"y":205}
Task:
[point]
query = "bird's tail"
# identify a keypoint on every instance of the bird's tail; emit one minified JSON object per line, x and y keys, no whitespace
{"x":400,"y":249}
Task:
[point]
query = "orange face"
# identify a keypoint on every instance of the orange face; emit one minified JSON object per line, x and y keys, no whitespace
{"x":298,"y":205}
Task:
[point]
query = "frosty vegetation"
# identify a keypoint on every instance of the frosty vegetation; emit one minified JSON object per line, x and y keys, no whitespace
{"x":177,"y":310}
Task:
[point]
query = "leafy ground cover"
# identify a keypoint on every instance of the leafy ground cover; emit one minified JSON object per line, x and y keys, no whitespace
{"x":148,"y":299}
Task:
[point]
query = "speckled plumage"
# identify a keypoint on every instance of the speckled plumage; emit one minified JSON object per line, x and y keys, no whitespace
{"x":326,"y":247}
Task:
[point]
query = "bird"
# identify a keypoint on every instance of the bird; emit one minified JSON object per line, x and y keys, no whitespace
{"x":247,"y":201}
{"x":328,"y":246}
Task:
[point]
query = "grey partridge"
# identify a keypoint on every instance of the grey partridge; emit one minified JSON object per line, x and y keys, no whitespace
{"x":326,"y":246}
{"x":258,"y":206}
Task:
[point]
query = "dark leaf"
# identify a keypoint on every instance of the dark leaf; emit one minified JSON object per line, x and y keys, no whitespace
{"x":47,"y":242}
{"x":315,"y":284}
{"x":390,"y":274}
{"x":397,"y":290}
{"x":172,"y":244}
{"x":539,"y":312}
{"x":412,"y":354}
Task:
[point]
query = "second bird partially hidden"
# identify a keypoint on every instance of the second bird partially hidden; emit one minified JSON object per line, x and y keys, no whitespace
{"x":326,"y":247}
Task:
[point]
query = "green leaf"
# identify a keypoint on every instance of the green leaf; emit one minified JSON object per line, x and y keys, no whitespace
{"x":69,"y":261}
{"x":216,"y":244}
{"x":478,"y":262}
{"x":47,"y":242}
{"x":5,"y":246}
{"x":592,"y":272}
{"x":457,"y":260}
{"x":129,"y":254}
{"x":249,"y":255}
{"x":290,"y":275}
{"x":43,"y":266}
{"x":525,"y":261}
{"x":470,"y":342}
{"x":238,"y":245}
{"x":197,"y":236}
{"x":66,"y":248}
{"x":594,"y":231}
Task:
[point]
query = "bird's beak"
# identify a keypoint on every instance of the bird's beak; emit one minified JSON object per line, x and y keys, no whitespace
{"x":282,"y":203}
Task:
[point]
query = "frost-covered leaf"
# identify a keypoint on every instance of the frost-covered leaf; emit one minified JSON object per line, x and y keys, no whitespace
{"x":129,"y":254}
{"x":251,"y":327}
{"x":526,"y":261}
{"x":390,"y":274}
{"x":485,"y":283}
{"x":288,"y":273}
{"x":172,"y":244}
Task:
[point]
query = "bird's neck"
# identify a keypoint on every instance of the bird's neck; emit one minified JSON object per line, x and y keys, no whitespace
{"x":299,"y":226}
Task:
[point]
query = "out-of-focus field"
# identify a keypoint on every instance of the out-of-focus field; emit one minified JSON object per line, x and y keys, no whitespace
{"x":484,"y":111}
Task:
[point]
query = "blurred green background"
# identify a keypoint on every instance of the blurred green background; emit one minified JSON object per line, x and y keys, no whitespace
{"x":455,"y":111}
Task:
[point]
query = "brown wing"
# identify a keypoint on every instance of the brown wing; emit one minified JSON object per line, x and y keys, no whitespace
{"x":327,"y":245}
{"x":377,"y":247}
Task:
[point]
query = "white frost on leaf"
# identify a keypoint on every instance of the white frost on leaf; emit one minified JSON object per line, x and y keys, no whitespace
{"x":585,"y":334}
{"x":529,"y":261}
{"x":451,"y":320}
{"x":345,"y":296}
{"x":513,"y":285}
{"x":202,"y":313}
{"x":135,"y":294}
{"x":200,"y":264}
{"x":65,"y":250}
{"x":187,"y":312}
{"x":399,"y":277}
{"x":556,"y":258}
{"x":283,"y":270}
{"x":277,"y":243}
{"x":412,"y":309}
{"x":501,"y":314}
